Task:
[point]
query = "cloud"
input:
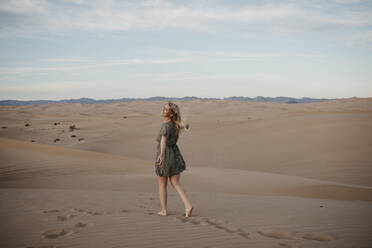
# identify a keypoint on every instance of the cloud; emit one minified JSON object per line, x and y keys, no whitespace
{"x":190,"y":77}
{"x":350,"y":1}
{"x":248,"y":56}
{"x":23,"y":6}
{"x":47,"y":65}
{"x":149,"y":15}
{"x":162,"y":17}
{"x":50,"y":86}
{"x":361,"y":39}
{"x":68,"y":64}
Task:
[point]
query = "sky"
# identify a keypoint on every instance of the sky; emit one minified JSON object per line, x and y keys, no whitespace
{"x":68,"y":49}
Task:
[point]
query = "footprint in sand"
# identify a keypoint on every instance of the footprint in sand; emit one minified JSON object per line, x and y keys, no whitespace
{"x":276,"y":234}
{"x":52,"y":234}
{"x":284,"y":245}
{"x":244,"y":232}
{"x":96,"y":212}
{"x":91,"y":212}
{"x":42,"y":246}
{"x":81,"y":210}
{"x":51,"y":211}
{"x":60,"y":217}
{"x":216,"y":223}
{"x":220,"y":224}
{"x":80,"y":225}
{"x":228,"y":227}
{"x":66,"y":217}
{"x":318,"y":236}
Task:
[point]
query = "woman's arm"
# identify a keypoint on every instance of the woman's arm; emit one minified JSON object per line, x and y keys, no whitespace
{"x":163,"y":143}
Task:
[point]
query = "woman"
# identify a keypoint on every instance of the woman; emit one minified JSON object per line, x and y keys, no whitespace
{"x":169,"y":161}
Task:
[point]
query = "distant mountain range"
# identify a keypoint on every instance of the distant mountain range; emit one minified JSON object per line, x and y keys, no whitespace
{"x":280,"y":99}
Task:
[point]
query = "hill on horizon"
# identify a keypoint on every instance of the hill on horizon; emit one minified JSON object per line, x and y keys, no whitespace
{"x":280,"y":99}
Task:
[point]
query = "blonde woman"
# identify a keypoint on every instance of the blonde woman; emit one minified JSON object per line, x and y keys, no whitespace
{"x":169,"y":160}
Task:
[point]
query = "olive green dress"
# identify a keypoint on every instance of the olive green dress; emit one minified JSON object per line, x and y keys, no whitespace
{"x":173,"y":162}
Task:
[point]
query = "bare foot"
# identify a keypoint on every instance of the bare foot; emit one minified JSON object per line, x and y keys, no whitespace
{"x":188,"y":211}
{"x":162,"y":213}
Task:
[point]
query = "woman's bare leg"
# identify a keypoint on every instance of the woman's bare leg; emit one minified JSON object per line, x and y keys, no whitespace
{"x":175,"y":181}
{"x":163,"y":194}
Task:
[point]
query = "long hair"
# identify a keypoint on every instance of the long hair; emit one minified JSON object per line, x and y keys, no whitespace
{"x":176,"y":118}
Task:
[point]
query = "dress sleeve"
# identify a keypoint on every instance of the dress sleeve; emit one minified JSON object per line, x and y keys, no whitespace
{"x":165,"y":130}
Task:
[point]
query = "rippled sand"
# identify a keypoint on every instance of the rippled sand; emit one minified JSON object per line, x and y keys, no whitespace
{"x":258,"y":175}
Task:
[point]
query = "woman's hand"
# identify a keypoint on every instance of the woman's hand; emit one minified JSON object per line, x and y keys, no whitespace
{"x":159,"y":160}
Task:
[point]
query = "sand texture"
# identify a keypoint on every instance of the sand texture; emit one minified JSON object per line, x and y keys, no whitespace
{"x":257,"y":174}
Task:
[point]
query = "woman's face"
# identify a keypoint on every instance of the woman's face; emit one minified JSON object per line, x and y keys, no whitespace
{"x":165,"y":112}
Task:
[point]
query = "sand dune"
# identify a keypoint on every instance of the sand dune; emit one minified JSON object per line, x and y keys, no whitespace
{"x":258,"y":175}
{"x":40,"y":165}
{"x":327,"y":141}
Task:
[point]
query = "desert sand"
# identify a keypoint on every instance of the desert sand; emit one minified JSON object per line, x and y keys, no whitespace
{"x":257,"y":174}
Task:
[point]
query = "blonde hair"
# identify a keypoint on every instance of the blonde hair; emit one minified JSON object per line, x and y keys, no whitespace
{"x":176,"y":118}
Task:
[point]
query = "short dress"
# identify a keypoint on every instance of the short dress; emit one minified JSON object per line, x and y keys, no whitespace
{"x":173,"y":162}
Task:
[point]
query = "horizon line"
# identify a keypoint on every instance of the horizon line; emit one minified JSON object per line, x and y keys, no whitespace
{"x":172,"y":97}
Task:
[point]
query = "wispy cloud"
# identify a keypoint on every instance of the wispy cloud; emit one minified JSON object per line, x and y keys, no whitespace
{"x":24,"y":6}
{"x":350,"y":1}
{"x":68,"y":64}
{"x":262,"y":46}
{"x":47,"y":65}
{"x":51,"y":86}
{"x":361,"y":39}
{"x":243,"y":55}
{"x":148,"y":15}
{"x":190,"y":77}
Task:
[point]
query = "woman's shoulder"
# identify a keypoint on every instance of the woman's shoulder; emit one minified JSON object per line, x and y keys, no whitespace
{"x":168,"y":123}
